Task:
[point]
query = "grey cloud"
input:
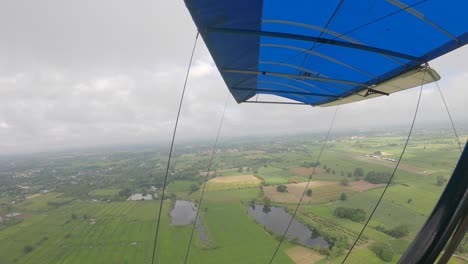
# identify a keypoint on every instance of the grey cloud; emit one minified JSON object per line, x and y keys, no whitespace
{"x":91,"y":34}
{"x":85,"y":73}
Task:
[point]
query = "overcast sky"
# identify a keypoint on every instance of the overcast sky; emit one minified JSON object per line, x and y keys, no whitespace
{"x":85,"y":73}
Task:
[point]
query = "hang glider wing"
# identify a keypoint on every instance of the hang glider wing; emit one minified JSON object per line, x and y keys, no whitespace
{"x":318,"y":52}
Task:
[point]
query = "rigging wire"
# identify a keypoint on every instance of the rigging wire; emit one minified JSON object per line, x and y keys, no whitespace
{"x":206,"y":178}
{"x":360,"y":27}
{"x":332,"y":17}
{"x":346,"y":33}
{"x":393,"y":173}
{"x":172,"y":146}
{"x":308,"y":182}
{"x":450,"y":116}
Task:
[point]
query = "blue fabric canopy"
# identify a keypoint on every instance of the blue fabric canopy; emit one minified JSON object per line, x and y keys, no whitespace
{"x":316,"y":52}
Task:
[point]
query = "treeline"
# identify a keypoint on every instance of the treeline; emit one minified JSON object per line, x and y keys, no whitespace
{"x":375,"y":177}
{"x":358,"y":173}
{"x":378,"y":177}
{"x":311,"y":164}
{"x":59,"y":203}
{"x":383,"y":250}
{"x":230,"y":161}
{"x":125,"y":193}
{"x":397,"y":231}
{"x":338,"y":243}
{"x":354,"y":214}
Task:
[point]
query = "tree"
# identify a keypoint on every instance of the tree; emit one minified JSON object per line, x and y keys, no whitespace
{"x":74,"y":217}
{"x":324,"y":251}
{"x":344,"y":182}
{"x":399,"y":231}
{"x":333,"y":172}
{"x":386,"y":254}
{"x":27,"y":249}
{"x":194,"y":188}
{"x":266,"y":204}
{"x":410,"y":200}
{"x":266,"y":201}
{"x":173,"y":196}
{"x":328,"y":170}
{"x":358,"y":172}
{"x":252,"y":202}
{"x":125,"y":192}
{"x":343,"y":197}
{"x":335,"y":238}
{"x":378,"y":177}
{"x":383,"y":250}
{"x":282,"y":188}
{"x":440,"y":180}
{"x":349,"y":174}
{"x":354,"y":214}
{"x":309,"y":192}
{"x":336,"y":251}
{"x":240,"y":169}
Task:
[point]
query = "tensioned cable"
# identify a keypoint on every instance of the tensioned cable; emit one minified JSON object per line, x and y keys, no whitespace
{"x":333,"y":15}
{"x":361,"y":26}
{"x":393,"y":173}
{"x":335,"y":12}
{"x":172,"y":146}
{"x":308,"y":182}
{"x":206,"y":178}
{"x":450,"y":116}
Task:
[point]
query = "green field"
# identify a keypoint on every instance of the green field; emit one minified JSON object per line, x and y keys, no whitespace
{"x":123,"y":232}
{"x":89,"y":220}
{"x":104,"y":192}
{"x":180,"y":186}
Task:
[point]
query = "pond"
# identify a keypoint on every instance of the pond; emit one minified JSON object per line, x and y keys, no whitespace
{"x":183,"y":213}
{"x":276,"y":221}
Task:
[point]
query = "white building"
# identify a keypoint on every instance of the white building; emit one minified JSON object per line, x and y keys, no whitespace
{"x":140,"y":197}
{"x":12,"y":215}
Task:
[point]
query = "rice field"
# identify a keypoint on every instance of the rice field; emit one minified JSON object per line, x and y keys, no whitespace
{"x":65,"y":228}
{"x":232,"y":182}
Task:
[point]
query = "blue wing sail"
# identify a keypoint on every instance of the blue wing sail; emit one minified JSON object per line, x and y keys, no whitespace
{"x":316,"y":53}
